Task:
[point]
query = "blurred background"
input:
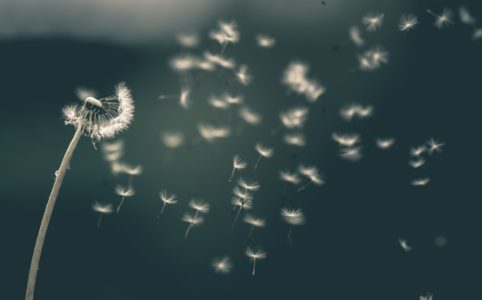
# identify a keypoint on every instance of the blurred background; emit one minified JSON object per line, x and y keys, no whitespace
{"x":348,"y":248}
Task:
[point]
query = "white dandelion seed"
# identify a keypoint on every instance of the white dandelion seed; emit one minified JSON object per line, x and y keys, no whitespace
{"x":347,"y":140}
{"x":192,"y":220}
{"x":417,"y":151}
{"x":222,"y":265}
{"x":294,"y":117}
{"x":373,"y":22}
{"x":183,"y":63}
{"x":353,"y":154}
{"x":434,"y":146}
{"x":243,"y":76}
{"x":220,"y":60}
{"x":227,"y":33}
{"x":112,"y":151}
{"x":241,"y":203}
{"x":212,"y":133}
{"x":238,"y":164}
{"x":295,"y":78}
{"x":265,"y":41}
{"x":420,"y":181}
{"x":124,"y":192}
{"x":295,"y":139}
{"x":243,"y":194}
{"x":355,"y":36}
{"x":167,"y":199}
{"x":254,"y":255}
{"x":188,"y":40}
{"x":292,"y":178}
{"x":255,"y":223}
{"x":416,"y":163}
{"x":477,"y":34}
{"x":249,"y":116}
{"x":184,"y":97}
{"x":407,"y":22}
{"x":294,"y":217}
{"x":356,"y":110}
{"x":466,"y":17}
{"x":98,"y":119}
{"x":251,"y":186}
{"x":218,"y":102}
{"x":102,"y":209}
{"x":372,"y":59}
{"x":385,"y":143}
{"x":263,"y":151}
{"x":172,"y":139}
{"x":199,"y":206}
{"x":443,"y":20}
{"x":313,"y":175}
{"x":404,"y":244}
{"x":233,"y":100}
{"x":426,"y":297}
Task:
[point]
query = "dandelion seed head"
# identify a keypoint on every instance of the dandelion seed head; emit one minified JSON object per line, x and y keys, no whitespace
{"x":308,"y":171}
{"x":124,"y":191}
{"x":295,"y":139}
{"x":183,"y":63}
{"x":373,"y":22}
{"x":226,"y":33}
{"x":416,"y":163}
{"x":102,"y":208}
{"x":243,"y":76}
{"x":434,"y":146}
{"x":347,"y":140}
{"x":372,"y":59}
{"x":265,"y":41}
{"x":222,"y":265}
{"x":218,"y":102}
{"x":351,"y":153}
{"x":133,"y":170}
{"x":105,"y":117}
{"x":253,"y":221}
{"x":351,"y":111}
{"x":293,"y":216}
{"x":263,"y":150}
{"x":245,"y":203}
{"x":407,"y":22}
{"x":444,"y":19}
{"x":238,"y":163}
{"x":294,"y":117}
{"x":199,"y":205}
{"x":212,"y":133}
{"x":184,"y":97}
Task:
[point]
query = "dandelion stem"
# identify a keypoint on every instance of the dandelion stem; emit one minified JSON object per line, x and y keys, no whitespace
{"x":251,"y":231}
{"x":163,"y":207}
{"x":120,"y":204}
{"x":237,"y":215}
{"x":304,"y":187}
{"x":37,"y":252}
{"x":186,"y":234}
{"x":254,"y":266}
{"x":257,"y":162}
{"x":99,"y":220}
{"x":232,"y":174}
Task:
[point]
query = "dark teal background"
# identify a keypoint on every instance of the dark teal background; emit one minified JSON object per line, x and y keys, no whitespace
{"x":348,"y":248}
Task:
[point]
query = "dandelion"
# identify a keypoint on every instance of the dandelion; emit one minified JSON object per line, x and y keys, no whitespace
{"x":295,"y":78}
{"x":220,"y":60}
{"x":347,"y":140}
{"x":172,"y":139}
{"x":243,"y":76}
{"x":356,"y":110}
{"x":442,"y":20}
{"x":292,"y":178}
{"x":265,"y":41}
{"x":373,"y":22}
{"x":417,"y":151}
{"x":222,"y":265}
{"x":249,"y":116}
{"x":351,"y":153}
{"x":294,"y":117}
{"x":83,"y":93}
{"x":254,"y":255}
{"x":426,"y":297}
{"x":417,"y":163}
{"x":294,"y":217}
{"x":217,"y":102}
{"x":102,"y":209}
{"x":421,"y":181}
{"x":263,"y":151}
{"x":241,"y":204}
{"x":372,"y":59}
{"x":295,"y":139}
{"x":355,"y":36}
{"x":199,"y":206}
{"x":124,"y":192}
{"x":226,"y":33}
{"x":184,"y":98}
{"x":192,"y":220}
{"x":385,"y":143}
{"x":97,"y":119}
{"x":312,"y":173}
{"x":434,"y":146}
{"x":238,"y":164}
{"x":167,"y":199}
{"x":188,"y":40}
{"x":251,"y":186}
{"x":466,"y":17}
{"x":407,"y":22}
{"x":212,"y":133}
{"x":132,"y":171}
{"x":404,"y":244}
{"x":255,"y":223}
{"x":183,"y":63}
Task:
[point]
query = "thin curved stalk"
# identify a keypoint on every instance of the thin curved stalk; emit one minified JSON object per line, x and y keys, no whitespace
{"x":60,"y":174}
